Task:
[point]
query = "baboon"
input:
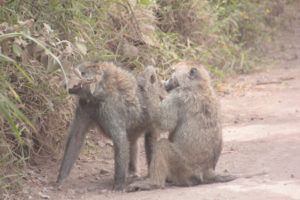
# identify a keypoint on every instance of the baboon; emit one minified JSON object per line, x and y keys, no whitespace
{"x":190,"y":113}
{"x":110,"y":98}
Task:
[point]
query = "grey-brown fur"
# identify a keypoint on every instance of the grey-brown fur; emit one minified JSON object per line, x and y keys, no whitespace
{"x":110,"y":98}
{"x":191,"y":115}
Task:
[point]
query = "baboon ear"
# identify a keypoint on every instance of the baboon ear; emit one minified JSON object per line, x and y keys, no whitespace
{"x":193,"y":73}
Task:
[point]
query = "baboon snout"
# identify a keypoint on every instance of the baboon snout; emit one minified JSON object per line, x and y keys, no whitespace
{"x":75,"y":89}
{"x":74,"y":85}
{"x":171,"y":84}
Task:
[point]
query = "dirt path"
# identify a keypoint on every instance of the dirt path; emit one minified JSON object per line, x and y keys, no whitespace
{"x":261,"y":115}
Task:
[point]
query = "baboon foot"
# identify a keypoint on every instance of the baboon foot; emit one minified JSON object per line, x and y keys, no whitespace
{"x":224,"y":178}
{"x":141,"y":186}
{"x":134,"y":178}
{"x":133,"y":175}
{"x":119,"y":187}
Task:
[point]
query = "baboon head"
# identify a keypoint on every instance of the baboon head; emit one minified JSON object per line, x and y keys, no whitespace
{"x":86,"y":77}
{"x":186,"y":75}
{"x":150,"y":77}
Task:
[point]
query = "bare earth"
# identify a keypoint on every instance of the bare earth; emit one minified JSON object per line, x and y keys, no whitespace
{"x":261,"y":115}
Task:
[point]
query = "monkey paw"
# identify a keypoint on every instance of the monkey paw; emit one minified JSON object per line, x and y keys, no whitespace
{"x":139,"y":186}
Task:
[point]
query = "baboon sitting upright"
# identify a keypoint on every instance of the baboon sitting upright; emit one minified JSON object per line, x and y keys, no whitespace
{"x":190,"y":112}
{"x":109,"y":97}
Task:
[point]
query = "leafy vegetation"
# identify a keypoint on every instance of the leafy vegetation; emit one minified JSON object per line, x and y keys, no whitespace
{"x":41,"y":40}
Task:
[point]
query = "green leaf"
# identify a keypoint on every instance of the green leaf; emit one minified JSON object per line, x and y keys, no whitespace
{"x":82,"y":48}
{"x":17,"y":49}
{"x":6,"y":58}
{"x":145,"y":2}
{"x":10,"y":112}
{"x":47,"y":51}
{"x":25,"y":74}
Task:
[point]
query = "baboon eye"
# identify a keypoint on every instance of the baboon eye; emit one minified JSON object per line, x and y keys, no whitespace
{"x":152,"y":79}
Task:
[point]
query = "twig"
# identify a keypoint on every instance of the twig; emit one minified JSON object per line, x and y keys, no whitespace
{"x":279,"y":81}
{"x":268,"y":82}
{"x":287,"y":78}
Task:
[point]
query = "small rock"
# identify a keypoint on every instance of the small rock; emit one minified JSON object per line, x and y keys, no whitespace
{"x":109,"y":143}
{"x":44,"y":196}
{"x":103,"y":172}
{"x":103,"y":191}
{"x":292,"y":176}
{"x":80,"y":191}
{"x":91,"y":188}
{"x":81,"y":176}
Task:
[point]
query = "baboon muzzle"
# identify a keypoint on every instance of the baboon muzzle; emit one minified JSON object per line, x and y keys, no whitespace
{"x":171,"y":84}
{"x":75,"y":89}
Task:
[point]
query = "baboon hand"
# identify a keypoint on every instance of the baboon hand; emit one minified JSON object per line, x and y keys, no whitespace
{"x":141,"y":186}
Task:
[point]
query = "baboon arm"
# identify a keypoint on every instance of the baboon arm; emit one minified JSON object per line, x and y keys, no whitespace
{"x":133,"y":148}
{"x":77,"y":131}
{"x":164,"y":114}
{"x":150,"y":140}
{"x":121,"y":155}
{"x":168,"y":115}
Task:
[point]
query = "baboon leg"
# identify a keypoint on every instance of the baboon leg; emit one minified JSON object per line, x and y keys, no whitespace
{"x":167,"y":164}
{"x":180,"y":174}
{"x":158,"y":171}
{"x":133,"y":149}
{"x":159,"y":166}
{"x":77,"y":131}
{"x":121,"y":156}
{"x":150,"y":140}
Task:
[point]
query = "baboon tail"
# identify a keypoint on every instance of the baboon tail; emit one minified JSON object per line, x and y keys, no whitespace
{"x":222,"y":178}
{"x":213,"y":177}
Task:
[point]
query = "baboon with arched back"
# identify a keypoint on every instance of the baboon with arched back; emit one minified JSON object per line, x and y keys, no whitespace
{"x":191,"y":115}
{"x":110,"y":98}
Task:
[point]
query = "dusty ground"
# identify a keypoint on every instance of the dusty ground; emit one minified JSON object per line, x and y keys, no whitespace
{"x":261,"y":132}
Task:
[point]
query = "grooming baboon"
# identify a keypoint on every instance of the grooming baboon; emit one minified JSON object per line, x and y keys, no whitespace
{"x":109,"y":97}
{"x":190,"y":112}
